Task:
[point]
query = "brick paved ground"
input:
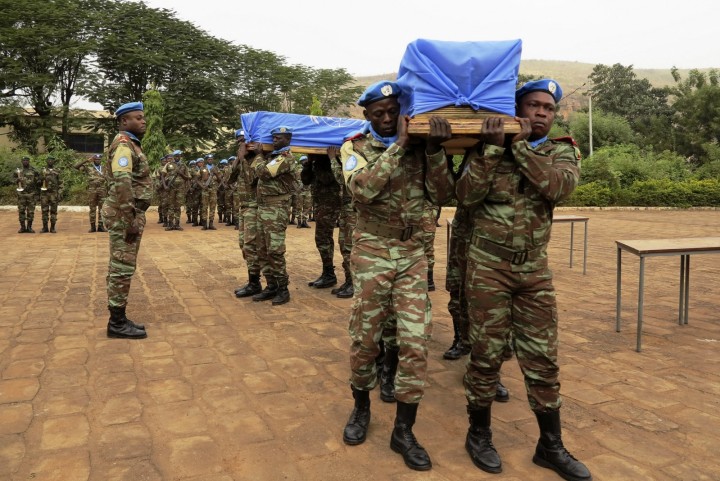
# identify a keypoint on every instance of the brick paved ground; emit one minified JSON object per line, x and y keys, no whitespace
{"x":226,"y":389}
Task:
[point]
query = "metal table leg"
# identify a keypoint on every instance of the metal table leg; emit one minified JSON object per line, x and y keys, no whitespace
{"x":618,"y":291}
{"x":572,"y":241}
{"x":687,"y":287}
{"x":585,"y":249}
{"x":641,"y":298}
{"x":681,"y":303}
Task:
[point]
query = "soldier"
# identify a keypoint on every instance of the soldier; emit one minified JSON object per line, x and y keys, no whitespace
{"x":230,"y":216}
{"x":347,"y":220}
{"x":97,"y":189}
{"x":511,"y":185}
{"x":27,"y":180}
{"x":276,"y":183}
{"x":243,"y":173}
{"x":210,"y":193}
{"x":190,"y":197}
{"x":389,"y":179}
{"x":196,"y":196}
{"x":317,"y":172}
{"x":220,"y":189}
{"x":123,"y":212}
{"x":304,"y":198}
{"x":429,"y":224}
{"x":203,"y":181}
{"x":160,"y":191}
{"x":51,"y":191}
{"x":174,"y":177}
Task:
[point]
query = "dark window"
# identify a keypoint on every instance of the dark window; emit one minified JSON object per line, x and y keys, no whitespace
{"x":86,"y":143}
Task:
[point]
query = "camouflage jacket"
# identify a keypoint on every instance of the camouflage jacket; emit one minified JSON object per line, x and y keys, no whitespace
{"x":96,"y":179}
{"x":276,"y":175}
{"x":244,"y":176}
{"x":129,"y":176}
{"x":172,"y":174}
{"x":336,"y":167}
{"x":30,"y":179}
{"x":391,"y":190}
{"x":52,"y":179}
{"x":512,"y":193}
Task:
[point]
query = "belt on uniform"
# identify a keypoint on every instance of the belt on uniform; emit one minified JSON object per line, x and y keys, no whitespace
{"x":142,"y":204}
{"x":383,"y":230}
{"x":270,"y":199}
{"x":515,"y":257}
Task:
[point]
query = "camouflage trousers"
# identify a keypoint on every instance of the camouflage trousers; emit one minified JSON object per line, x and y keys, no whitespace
{"x":429,"y":227}
{"x":248,"y":237}
{"x":347,"y":221}
{"x":220,"y":203}
{"x":455,"y":277}
{"x":26,"y":206}
{"x":49,"y":206}
{"x":302,"y":203}
{"x":208,"y":204}
{"x":272,"y":223}
{"x":236,"y":207}
{"x":326,"y":217}
{"x":190,"y":201}
{"x":229,"y":206}
{"x":123,"y":256}
{"x":96,"y":197}
{"x":383,"y":287}
{"x":174,"y":201}
{"x":501,"y":303}
{"x":162,"y":202}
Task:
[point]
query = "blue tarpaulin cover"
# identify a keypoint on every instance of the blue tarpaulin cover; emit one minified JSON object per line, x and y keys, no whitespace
{"x":307,"y":130}
{"x":435,"y":74}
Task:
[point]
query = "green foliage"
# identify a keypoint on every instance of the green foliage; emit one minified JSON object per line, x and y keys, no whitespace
{"x":315,"y":108}
{"x":607,"y":130}
{"x":593,"y":194}
{"x":154,"y":144}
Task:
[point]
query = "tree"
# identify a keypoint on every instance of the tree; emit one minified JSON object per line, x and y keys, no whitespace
{"x":608,"y":130}
{"x":697,"y":113}
{"x":154,"y":144}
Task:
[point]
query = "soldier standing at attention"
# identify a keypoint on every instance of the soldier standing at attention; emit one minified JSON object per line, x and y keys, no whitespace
{"x":389,"y":179}
{"x":210,"y":191}
{"x":347,"y":221}
{"x":243,"y":174}
{"x":51,"y":191}
{"x":317,"y":172}
{"x":26,"y":180}
{"x":511,"y":184}
{"x":220,"y":173}
{"x":97,"y":189}
{"x":196,"y":191}
{"x":229,"y":193}
{"x":190,"y":192}
{"x":276,"y":183}
{"x":124,"y":209}
{"x":174,"y":177}
{"x":161,"y":192}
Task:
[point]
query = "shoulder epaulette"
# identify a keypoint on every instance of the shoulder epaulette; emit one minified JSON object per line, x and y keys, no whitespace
{"x":567,"y":140}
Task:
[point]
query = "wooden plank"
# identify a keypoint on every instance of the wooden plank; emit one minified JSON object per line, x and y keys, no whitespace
{"x":464,"y":121}
{"x":296,"y":149}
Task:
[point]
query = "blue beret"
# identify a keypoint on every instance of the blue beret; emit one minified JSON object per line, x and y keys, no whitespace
{"x":281,"y":130}
{"x":210,"y":156}
{"x":223,"y":161}
{"x":129,"y":107}
{"x":177,"y":152}
{"x":378,"y":91}
{"x":303,"y":157}
{"x":239,"y":133}
{"x":192,"y":162}
{"x":231,"y":158}
{"x":97,"y":156}
{"x":546,"y":85}
{"x":201,"y":159}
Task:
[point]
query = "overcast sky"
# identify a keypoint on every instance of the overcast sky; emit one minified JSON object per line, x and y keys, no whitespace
{"x":368,"y":38}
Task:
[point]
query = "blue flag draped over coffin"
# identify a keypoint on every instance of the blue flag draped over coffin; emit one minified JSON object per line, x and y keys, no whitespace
{"x":483,"y":75}
{"x":307,"y":130}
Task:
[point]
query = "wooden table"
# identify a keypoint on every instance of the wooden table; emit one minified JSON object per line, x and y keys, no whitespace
{"x":572,"y":219}
{"x":643,"y":248}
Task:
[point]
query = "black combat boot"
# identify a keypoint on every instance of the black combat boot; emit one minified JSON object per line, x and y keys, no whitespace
{"x":22,"y":229}
{"x":387,"y":374}
{"x":326,"y":279}
{"x":29,"y":229}
{"x":161,"y":218}
{"x":251,"y":288}
{"x":44,"y":229}
{"x":348,"y":281}
{"x":431,"y":281}
{"x":550,"y":452}
{"x":282,"y":296}
{"x":101,"y":227}
{"x":120,"y":327}
{"x":268,"y":293}
{"x":177,"y":225}
{"x":229,"y":221}
{"x":189,"y":218}
{"x":292,"y":220}
{"x":52,"y":228}
{"x":403,"y":440}
{"x":347,"y":290}
{"x":92,"y":228}
{"x":211,"y":226}
{"x":304,"y":225}
{"x":478,"y":442}
{"x":458,"y":348}
{"x":356,"y":428}
{"x":501,"y":393}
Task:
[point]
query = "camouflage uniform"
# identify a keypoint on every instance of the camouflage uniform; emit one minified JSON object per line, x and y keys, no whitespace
{"x":208,"y":202}
{"x":176,"y":189}
{"x":318,"y":173}
{"x":512,"y":192}
{"x":128,"y":197}
{"x":192,"y":198}
{"x":97,"y":190}
{"x":276,"y":182}
{"x":388,"y":259}
{"x":27,"y":199}
{"x":347,"y":221}
{"x":159,"y":194}
{"x":229,"y":192}
{"x":248,"y":239}
{"x":455,"y":275}
{"x":220,"y":193}
{"x":429,"y":225}
{"x":50,"y":198}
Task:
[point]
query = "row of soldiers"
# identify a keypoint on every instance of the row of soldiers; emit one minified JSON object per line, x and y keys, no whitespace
{"x":45,"y":186}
